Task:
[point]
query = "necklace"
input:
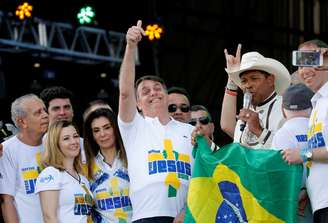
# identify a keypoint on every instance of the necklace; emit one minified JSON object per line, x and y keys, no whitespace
{"x":78,"y":179}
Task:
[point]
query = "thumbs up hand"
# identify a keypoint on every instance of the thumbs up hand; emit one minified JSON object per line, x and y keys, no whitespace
{"x":134,"y":34}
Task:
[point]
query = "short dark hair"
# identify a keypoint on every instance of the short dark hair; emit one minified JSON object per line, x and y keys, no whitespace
{"x":178,"y":90}
{"x":54,"y":92}
{"x":315,"y":42}
{"x":152,"y":78}
{"x":195,"y":108}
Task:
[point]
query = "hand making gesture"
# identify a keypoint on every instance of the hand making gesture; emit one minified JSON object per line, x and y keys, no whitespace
{"x":233,"y":62}
{"x":134,"y":35}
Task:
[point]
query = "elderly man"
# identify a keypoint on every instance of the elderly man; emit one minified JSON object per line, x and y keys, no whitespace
{"x":179,"y":104}
{"x":316,"y":154}
{"x":20,"y":164}
{"x":265,"y":79}
{"x":158,"y":147}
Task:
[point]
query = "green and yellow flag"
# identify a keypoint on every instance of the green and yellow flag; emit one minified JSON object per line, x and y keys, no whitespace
{"x":238,"y":184}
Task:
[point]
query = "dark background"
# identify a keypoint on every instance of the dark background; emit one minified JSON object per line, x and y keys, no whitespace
{"x":189,"y":55}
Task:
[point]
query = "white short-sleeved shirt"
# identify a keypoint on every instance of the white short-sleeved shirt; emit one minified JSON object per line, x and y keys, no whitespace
{"x":75,"y":198}
{"x":160,"y":164}
{"x":110,"y":188}
{"x":292,"y":135}
{"x":19,"y":168}
{"x":271,"y":119}
{"x":317,"y":184}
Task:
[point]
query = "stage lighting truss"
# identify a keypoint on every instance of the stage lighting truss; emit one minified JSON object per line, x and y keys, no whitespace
{"x":154,"y":32}
{"x":62,"y":41}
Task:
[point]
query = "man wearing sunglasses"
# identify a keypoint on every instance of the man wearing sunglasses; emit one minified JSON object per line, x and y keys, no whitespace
{"x":156,"y":144}
{"x":179,"y":104}
{"x":201,"y":118}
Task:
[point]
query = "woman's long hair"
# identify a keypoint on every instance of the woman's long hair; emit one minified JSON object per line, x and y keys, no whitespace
{"x":90,"y":145}
{"x":53,"y":156}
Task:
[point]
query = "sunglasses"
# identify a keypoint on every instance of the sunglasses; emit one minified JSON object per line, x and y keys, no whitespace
{"x":173,"y":108}
{"x":202,"y":120}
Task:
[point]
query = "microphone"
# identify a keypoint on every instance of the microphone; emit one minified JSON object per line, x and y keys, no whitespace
{"x":246,"y":104}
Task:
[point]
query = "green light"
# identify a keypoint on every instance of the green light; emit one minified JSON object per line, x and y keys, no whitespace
{"x":86,"y":15}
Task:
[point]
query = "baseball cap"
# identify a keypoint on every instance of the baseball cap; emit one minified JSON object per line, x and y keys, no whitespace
{"x":297,"y":97}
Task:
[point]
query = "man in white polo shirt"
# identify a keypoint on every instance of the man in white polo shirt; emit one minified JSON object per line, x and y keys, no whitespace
{"x":158,"y":147}
{"x":20,"y":164}
{"x":316,"y":155}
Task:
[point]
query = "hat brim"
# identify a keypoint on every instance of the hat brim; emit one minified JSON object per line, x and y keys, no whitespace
{"x":271,"y":66}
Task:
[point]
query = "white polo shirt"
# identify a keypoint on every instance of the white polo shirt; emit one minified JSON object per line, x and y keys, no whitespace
{"x":19,"y":168}
{"x":317,"y":184}
{"x":159,"y":165}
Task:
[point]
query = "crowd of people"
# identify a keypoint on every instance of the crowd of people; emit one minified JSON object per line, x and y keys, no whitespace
{"x":135,"y":166}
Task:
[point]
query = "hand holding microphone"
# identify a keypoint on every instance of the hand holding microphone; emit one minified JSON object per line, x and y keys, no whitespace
{"x":246,"y":104}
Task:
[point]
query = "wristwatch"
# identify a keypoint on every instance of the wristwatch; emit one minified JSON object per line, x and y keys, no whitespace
{"x":308,"y":155}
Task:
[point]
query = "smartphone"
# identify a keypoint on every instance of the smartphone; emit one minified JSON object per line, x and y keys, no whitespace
{"x":307,"y":58}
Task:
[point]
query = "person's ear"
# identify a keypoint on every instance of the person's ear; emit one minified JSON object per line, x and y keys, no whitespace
{"x":271,"y":79}
{"x":138,"y":106}
{"x":1,"y":150}
{"x":21,"y":122}
{"x":212,"y":127}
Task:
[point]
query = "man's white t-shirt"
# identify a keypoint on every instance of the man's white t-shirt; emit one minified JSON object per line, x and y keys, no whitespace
{"x":19,"y":168}
{"x":271,"y":119}
{"x":75,"y":198}
{"x":292,"y":135}
{"x":110,"y":188}
{"x":159,"y":165}
{"x":317,"y":183}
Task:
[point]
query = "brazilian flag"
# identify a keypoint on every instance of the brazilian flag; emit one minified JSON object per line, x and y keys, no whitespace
{"x":238,"y":184}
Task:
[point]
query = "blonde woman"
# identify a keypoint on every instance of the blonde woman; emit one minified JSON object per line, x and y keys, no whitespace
{"x":64,"y":192}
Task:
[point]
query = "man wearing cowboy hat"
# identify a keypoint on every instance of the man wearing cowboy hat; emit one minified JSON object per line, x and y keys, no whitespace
{"x":265,"y":79}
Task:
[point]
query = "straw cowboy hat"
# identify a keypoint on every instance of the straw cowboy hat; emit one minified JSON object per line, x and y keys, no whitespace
{"x":255,"y":61}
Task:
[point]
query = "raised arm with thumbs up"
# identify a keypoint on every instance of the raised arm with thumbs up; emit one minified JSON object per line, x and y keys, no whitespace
{"x":127,"y":100}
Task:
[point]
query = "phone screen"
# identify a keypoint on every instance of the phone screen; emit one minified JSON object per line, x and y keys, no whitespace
{"x":307,"y":58}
